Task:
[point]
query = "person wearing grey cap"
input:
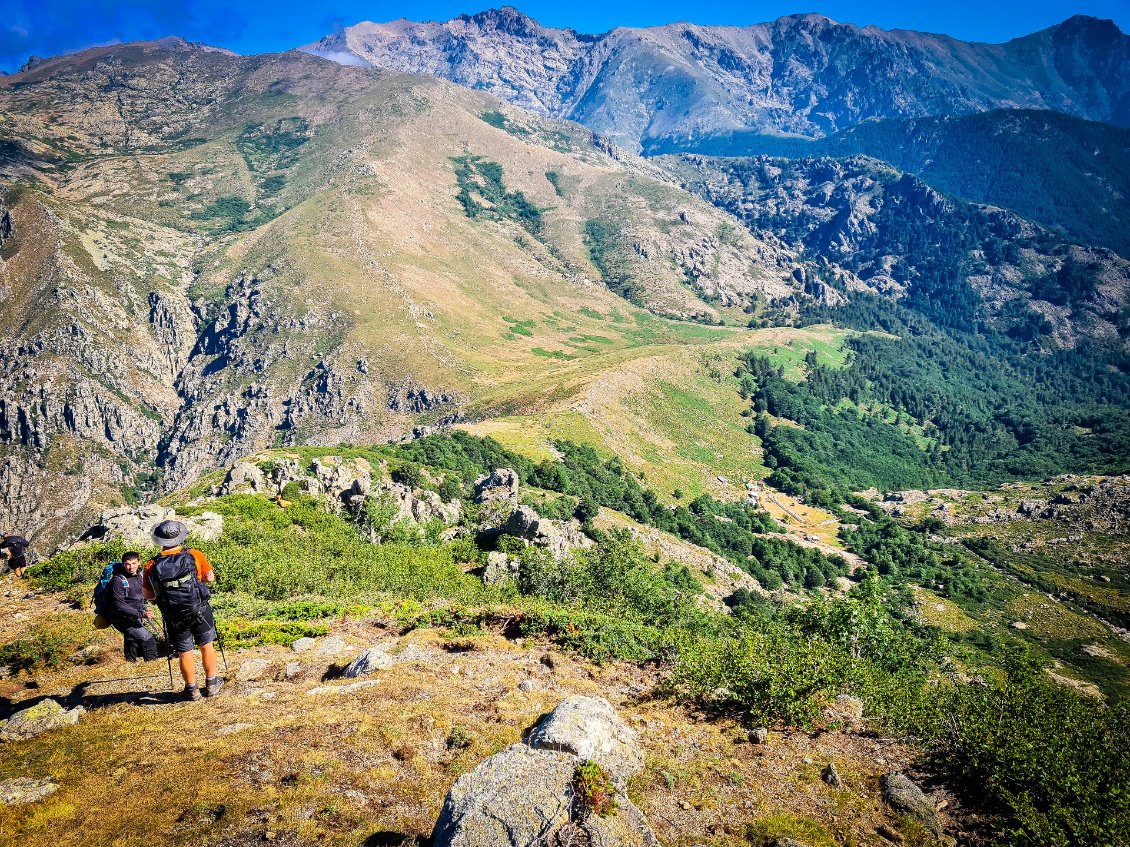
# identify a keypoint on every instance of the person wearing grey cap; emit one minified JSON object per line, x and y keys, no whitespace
{"x":177,"y":580}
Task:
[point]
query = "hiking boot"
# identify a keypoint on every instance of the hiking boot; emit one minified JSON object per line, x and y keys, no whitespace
{"x":213,"y":686}
{"x":191,"y":692}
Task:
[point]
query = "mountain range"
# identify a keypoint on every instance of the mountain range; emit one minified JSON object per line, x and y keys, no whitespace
{"x":800,"y":75}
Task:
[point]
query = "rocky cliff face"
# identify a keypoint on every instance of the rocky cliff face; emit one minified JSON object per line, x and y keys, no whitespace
{"x":93,"y":337}
{"x":801,"y":74}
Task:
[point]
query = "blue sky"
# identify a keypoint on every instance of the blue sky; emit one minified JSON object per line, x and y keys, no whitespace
{"x":50,"y":27}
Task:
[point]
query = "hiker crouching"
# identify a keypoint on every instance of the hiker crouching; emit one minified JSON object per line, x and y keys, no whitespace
{"x":176,"y":579}
{"x":127,"y":611}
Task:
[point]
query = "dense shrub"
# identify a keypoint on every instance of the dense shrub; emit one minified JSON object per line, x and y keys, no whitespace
{"x":785,"y":664}
{"x":1056,"y":761}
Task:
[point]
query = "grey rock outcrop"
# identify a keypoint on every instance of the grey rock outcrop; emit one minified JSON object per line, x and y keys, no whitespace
{"x":346,"y":484}
{"x":500,"y":568}
{"x":501,"y":484}
{"x":22,"y":789}
{"x":905,"y":797}
{"x":35,"y":720}
{"x":849,"y":212}
{"x":558,"y":537}
{"x":133,"y":526}
{"x":372,"y":660}
{"x":589,"y":728}
{"x":524,"y":797}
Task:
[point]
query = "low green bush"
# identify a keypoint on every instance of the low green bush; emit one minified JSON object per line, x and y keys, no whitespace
{"x":238,"y":632}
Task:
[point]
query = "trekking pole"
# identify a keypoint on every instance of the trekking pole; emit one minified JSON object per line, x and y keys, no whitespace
{"x":220,"y":644}
{"x":168,"y":654}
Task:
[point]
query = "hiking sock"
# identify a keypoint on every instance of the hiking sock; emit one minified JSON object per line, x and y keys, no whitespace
{"x":213,"y":686}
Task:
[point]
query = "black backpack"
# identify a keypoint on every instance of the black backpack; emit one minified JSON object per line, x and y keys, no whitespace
{"x":180,"y":594}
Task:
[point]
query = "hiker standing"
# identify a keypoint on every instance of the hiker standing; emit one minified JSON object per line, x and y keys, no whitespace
{"x":17,"y":551}
{"x":125,"y":607}
{"x":176,"y":580}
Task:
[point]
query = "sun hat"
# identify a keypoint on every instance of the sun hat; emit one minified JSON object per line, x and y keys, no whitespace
{"x":169,"y":534}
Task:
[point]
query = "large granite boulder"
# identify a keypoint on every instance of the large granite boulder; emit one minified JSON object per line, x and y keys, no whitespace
{"x":35,"y":720}
{"x":558,"y":537}
{"x":589,"y":728}
{"x":524,"y":797}
{"x":545,"y":792}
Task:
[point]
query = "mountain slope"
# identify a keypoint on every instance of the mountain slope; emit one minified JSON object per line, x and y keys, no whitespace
{"x":801,"y":74}
{"x":956,"y":262}
{"x":1060,"y":171}
{"x":209,"y":254}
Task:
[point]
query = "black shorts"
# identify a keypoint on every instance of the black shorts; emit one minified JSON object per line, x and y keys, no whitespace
{"x":184,"y":635}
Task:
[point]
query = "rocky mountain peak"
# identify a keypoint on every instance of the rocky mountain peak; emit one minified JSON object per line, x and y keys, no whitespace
{"x":506,"y":20}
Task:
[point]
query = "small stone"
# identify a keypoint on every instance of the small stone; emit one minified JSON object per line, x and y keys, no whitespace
{"x":527,"y":685}
{"x":1018,"y":625}
{"x":832,"y":776}
{"x":293,"y":670}
{"x":322,"y":690}
{"x":252,"y":669}
{"x":892,"y":835}
{"x":233,"y":728}
{"x":372,"y":660}
{"x":303,"y":645}
{"x":905,"y":797}
{"x":759,"y":735}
